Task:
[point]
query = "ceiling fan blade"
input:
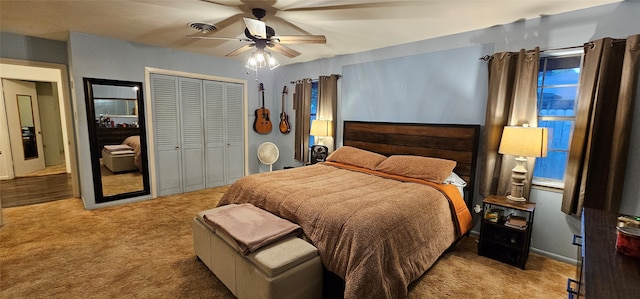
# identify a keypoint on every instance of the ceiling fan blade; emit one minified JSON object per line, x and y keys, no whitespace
{"x":241,"y":50}
{"x":229,"y":25}
{"x":218,"y":38}
{"x":256,"y":28}
{"x":284,"y":50}
{"x":299,"y":39}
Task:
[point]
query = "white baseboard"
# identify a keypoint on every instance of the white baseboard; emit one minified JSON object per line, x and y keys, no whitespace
{"x":554,"y":256}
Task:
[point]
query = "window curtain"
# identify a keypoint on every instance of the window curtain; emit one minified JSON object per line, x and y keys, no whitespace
{"x":328,"y":104}
{"x":598,"y":153}
{"x":302,"y":106}
{"x":512,"y":101}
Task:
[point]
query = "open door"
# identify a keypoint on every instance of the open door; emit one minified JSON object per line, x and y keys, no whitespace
{"x":24,"y":126}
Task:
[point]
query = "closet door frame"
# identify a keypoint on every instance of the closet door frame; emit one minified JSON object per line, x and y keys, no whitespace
{"x":150,"y":126}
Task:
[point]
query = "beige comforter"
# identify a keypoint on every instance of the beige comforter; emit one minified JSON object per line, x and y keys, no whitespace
{"x":378,"y":234}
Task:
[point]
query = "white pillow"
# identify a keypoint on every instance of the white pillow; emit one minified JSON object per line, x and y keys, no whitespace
{"x":455,"y":180}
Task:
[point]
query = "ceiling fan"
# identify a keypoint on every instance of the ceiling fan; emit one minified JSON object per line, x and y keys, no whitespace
{"x":260,"y":36}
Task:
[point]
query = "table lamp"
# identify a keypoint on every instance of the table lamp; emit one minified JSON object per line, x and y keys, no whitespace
{"x":320,"y":128}
{"x":522,"y":142}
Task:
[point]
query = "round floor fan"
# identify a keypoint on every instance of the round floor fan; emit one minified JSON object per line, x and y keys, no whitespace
{"x":268,"y":154}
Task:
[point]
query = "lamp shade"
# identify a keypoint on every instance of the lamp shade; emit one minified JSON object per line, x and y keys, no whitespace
{"x":320,"y":128}
{"x":524,"y":141}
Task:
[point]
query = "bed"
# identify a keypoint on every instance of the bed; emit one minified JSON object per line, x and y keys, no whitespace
{"x":379,"y":223}
{"x":134,"y":142}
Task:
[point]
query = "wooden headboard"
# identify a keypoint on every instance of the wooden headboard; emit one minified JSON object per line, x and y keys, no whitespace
{"x":446,"y":141}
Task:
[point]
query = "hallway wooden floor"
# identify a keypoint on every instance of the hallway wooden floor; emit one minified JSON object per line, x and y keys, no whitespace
{"x":36,"y":189}
{"x":49,"y":170}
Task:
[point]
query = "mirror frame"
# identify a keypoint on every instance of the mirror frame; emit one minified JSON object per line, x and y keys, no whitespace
{"x":20,"y":114}
{"x":93,"y":139}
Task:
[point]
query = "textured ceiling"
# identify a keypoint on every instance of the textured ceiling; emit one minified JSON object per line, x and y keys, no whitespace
{"x":349,"y":26}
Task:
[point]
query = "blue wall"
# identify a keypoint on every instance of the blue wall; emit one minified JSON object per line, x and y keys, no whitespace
{"x":428,"y":89}
{"x":15,"y":46}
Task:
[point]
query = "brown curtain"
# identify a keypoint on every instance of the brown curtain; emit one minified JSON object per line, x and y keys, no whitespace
{"x":302,"y":106}
{"x":598,"y":153}
{"x":328,"y":104}
{"x":512,"y":100}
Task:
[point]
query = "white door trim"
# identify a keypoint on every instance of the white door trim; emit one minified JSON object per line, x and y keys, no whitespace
{"x":57,"y":73}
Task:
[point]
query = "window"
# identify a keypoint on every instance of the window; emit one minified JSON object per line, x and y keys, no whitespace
{"x":558,"y":80}
{"x":314,"y":108}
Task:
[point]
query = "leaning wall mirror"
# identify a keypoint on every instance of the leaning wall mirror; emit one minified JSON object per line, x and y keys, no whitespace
{"x":28,"y":128}
{"x":115,"y":115}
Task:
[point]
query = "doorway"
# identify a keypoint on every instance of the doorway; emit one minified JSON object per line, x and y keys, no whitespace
{"x":37,"y":127}
{"x":23,"y":124}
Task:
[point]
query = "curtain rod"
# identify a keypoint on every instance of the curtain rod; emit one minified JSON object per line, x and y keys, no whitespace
{"x":300,"y":81}
{"x":488,"y":57}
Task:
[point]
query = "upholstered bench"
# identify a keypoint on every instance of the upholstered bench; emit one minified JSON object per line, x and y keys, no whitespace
{"x":289,"y":268}
{"x":119,"y":161}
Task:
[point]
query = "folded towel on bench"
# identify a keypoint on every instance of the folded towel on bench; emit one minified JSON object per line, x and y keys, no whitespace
{"x":117,"y":147}
{"x":251,"y":227}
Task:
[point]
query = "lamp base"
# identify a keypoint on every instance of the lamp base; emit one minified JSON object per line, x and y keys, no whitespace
{"x":518,"y":176}
{"x":516,"y":199}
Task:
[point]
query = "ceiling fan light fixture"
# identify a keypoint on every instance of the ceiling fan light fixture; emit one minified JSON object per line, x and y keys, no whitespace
{"x":273,"y":63}
{"x":261,"y":58}
{"x":252,"y":63}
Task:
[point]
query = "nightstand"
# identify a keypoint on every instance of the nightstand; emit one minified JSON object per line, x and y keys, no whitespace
{"x":503,"y":243}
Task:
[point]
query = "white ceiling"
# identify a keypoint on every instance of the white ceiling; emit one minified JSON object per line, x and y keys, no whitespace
{"x":349,"y":26}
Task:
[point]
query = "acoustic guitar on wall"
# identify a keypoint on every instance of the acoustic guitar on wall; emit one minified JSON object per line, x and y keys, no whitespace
{"x":262,"y":124}
{"x":285,"y":128}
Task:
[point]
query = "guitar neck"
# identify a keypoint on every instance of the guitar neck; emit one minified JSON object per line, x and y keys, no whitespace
{"x":284,"y":92}
{"x":261,"y":89}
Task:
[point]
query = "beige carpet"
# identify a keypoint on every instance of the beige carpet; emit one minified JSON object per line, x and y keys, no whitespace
{"x":144,"y":250}
{"x":121,"y":182}
{"x":116,"y":183}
